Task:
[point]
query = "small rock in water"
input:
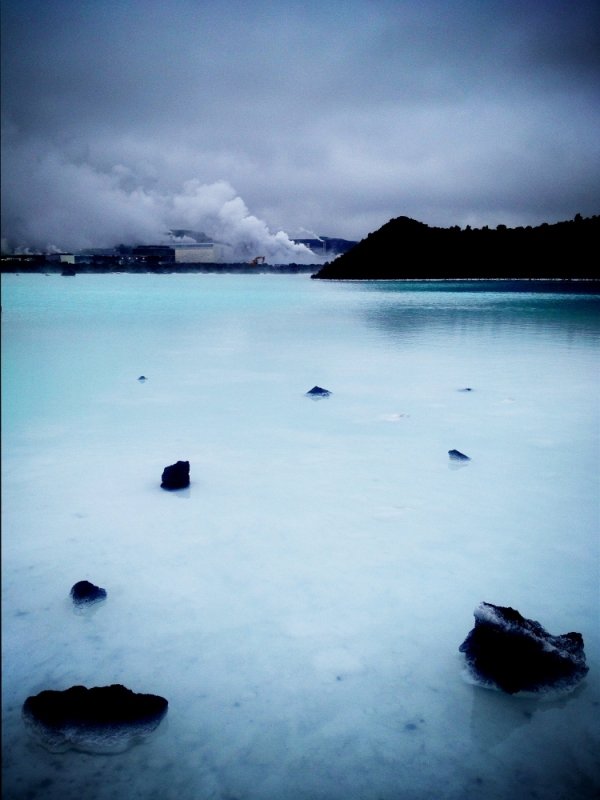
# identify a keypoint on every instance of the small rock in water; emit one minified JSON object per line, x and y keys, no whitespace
{"x":456,"y":455}
{"x":105,"y":719}
{"x":142,"y":378}
{"x":508,"y":652}
{"x":176,"y":476}
{"x":86,"y":593}
{"x":317,"y":392}
{"x":466,"y":389}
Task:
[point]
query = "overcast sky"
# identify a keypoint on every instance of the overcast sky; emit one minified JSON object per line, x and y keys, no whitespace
{"x":124,"y":119}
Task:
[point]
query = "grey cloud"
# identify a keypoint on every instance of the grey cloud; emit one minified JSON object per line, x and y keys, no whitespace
{"x":329,"y":117}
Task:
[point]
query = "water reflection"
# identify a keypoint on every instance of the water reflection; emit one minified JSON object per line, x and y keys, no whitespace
{"x":399,"y":311}
{"x":481,"y":286}
{"x":454,"y":465}
{"x":182,"y":494}
{"x":496,"y":715}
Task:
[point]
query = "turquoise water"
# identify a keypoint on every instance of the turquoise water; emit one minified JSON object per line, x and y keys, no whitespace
{"x":302,"y":604}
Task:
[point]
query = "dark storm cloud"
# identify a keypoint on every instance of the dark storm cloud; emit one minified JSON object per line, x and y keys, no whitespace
{"x":122,"y":119}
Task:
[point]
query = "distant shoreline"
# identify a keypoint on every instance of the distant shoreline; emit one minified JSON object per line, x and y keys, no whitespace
{"x":267,"y":269}
{"x":56,"y":268}
{"x":576,"y":284}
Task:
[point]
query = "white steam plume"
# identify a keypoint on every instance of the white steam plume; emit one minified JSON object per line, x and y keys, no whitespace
{"x":61,"y":204}
{"x":312,"y":234}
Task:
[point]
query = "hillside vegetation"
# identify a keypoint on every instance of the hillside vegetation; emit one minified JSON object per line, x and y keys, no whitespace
{"x":405,"y":249}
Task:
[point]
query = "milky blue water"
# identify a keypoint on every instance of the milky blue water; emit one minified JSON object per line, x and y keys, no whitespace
{"x":301,"y":605}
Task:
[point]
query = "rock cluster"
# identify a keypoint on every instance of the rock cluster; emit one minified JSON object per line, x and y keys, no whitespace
{"x":504,"y":650}
{"x":103,"y":719}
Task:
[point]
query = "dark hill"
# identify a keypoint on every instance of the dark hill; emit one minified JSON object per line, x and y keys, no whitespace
{"x":404,"y":249}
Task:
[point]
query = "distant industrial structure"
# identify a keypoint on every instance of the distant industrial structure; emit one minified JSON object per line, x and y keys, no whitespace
{"x":186,"y":248}
{"x":326,"y":246}
{"x":153,"y":253}
{"x":202,"y":253}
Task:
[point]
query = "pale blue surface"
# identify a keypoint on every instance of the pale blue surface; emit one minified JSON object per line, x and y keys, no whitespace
{"x":302,"y":604}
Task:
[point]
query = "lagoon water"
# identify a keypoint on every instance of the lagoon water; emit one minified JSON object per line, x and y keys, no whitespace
{"x":301,"y":605}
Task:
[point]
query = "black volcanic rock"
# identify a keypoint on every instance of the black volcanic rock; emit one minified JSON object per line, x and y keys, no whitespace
{"x":100,"y":719}
{"x":317,"y":392}
{"x":86,"y":593}
{"x":456,"y":455}
{"x":406,"y":249}
{"x":508,"y":652}
{"x":176,"y":476}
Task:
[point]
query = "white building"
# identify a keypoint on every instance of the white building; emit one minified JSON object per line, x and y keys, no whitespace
{"x":62,"y":258}
{"x":202,"y":253}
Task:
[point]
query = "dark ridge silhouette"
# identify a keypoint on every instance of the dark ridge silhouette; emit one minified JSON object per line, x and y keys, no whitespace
{"x":405,"y":249}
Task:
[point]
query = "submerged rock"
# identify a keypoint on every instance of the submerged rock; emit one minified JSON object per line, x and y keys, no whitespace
{"x":86,"y":593}
{"x":466,"y":389}
{"x":317,"y":392}
{"x":508,"y":652}
{"x":104,"y":719}
{"x":456,"y":455}
{"x":177,"y":476}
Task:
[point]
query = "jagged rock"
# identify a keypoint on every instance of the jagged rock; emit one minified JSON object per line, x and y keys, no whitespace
{"x":508,"y":652}
{"x":85,"y":593}
{"x":456,"y":455}
{"x":177,"y":476}
{"x":105,"y":719}
{"x":317,"y":392}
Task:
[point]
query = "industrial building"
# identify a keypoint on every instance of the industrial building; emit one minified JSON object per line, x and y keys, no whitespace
{"x":202,"y":253}
{"x":153,"y":252}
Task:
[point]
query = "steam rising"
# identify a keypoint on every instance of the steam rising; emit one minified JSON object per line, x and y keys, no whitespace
{"x":78,"y":206}
{"x":337,"y":122}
